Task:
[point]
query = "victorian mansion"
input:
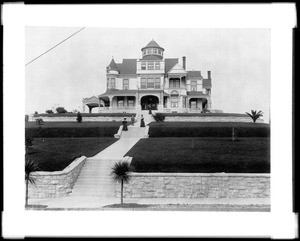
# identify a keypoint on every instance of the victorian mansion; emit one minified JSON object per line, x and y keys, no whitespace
{"x":152,"y":82}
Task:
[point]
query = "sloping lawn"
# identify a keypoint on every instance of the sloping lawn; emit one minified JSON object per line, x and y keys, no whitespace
{"x":206,"y":155}
{"x":72,"y":129}
{"x":54,"y":154}
{"x":208,"y":129}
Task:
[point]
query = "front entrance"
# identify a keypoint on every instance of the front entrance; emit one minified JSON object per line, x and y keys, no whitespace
{"x":149,"y":102}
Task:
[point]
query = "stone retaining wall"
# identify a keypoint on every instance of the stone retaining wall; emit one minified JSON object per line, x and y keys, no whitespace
{"x":73,"y":118}
{"x":55,"y":184}
{"x":211,"y":119}
{"x":197,"y":185}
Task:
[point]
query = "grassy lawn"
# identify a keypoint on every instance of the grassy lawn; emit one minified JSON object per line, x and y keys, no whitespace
{"x":54,"y":154}
{"x":208,"y":129}
{"x":206,"y":155}
{"x":72,"y":129}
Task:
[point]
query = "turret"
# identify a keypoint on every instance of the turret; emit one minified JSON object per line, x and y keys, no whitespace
{"x":152,"y":49}
{"x":112,"y":68}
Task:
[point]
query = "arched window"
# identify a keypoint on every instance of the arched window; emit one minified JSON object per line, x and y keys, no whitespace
{"x":174,"y":99}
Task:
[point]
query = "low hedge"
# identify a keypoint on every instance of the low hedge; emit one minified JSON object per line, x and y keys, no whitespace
{"x":85,"y":114}
{"x":206,"y":114}
{"x":72,"y":129}
{"x":208,"y":129}
{"x":71,"y":132}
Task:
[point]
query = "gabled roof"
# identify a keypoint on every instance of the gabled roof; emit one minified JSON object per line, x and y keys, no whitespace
{"x":177,"y":69}
{"x":194,"y":74}
{"x":112,"y":65}
{"x":169,"y":64}
{"x":152,"y":44}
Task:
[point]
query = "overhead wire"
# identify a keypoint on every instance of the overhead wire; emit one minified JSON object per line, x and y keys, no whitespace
{"x":54,"y":46}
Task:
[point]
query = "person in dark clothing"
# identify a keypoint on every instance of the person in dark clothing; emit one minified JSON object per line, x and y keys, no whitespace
{"x":142,"y":121}
{"x":150,"y":111}
{"x":125,"y":125}
{"x":132,"y":120}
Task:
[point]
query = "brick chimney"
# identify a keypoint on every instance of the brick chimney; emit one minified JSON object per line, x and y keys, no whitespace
{"x":183,"y":61}
{"x":208,"y":74}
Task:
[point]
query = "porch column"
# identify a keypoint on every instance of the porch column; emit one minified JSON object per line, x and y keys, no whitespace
{"x":83,"y":107}
{"x":110,"y":102}
{"x":125,"y":101}
{"x":99,"y":105}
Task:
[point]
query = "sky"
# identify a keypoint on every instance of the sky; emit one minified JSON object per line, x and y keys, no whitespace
{"x":239,"y":61}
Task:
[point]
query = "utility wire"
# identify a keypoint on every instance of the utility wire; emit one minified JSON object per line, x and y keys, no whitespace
{"x":54,"y":46}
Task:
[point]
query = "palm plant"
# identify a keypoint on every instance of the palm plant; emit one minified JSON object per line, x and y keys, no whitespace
{"x":255,"y":115}
{"x":120,"y":174}
{"x":30,"y":167}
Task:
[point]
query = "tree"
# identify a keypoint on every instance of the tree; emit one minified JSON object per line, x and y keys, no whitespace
{"x":61,"y":110}
{"x":79,"y":117}
{"x":120,"y":174}
{"x":255,"y":115}
{"x":49,"y":111}
{"x":30,"y":167}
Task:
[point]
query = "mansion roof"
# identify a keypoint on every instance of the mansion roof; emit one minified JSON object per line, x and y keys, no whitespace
{"x":128,"y":66}
{"x":194,"y":74}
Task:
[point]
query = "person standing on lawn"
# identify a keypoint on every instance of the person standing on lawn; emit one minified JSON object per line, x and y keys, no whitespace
{"x":132,"y":120}
{"x":125,"y":125}
{"x":142,"y":121}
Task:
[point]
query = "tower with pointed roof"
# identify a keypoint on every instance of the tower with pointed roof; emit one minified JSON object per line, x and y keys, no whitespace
{"x":153,"y":82}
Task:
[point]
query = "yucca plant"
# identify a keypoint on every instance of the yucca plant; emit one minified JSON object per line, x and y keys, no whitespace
{"x":255,"y":115}
{"x":120,"y":174}
{"x":30,"y":167}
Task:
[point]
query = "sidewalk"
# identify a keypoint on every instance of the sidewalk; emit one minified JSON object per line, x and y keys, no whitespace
{"x":98,"y":202}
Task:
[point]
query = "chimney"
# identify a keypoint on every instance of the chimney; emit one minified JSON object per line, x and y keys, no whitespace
{"x":208,"y":74}
{"x":183,"y":61}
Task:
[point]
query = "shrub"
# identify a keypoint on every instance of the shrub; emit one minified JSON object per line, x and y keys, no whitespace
{"x":39,"y":121}
{"x":61,"y":110}
{"x":79,"y":117}
{"x":159,"y":117}
{"x":49,"y":111}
